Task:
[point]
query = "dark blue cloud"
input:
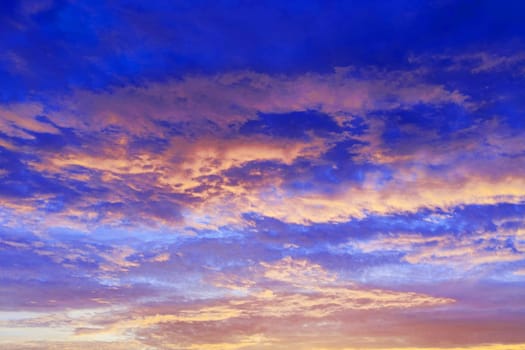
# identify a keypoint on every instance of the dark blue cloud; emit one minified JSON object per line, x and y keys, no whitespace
{"x":21,"y":181}
{"x":425,"y":124}
{"x":294,"y":125}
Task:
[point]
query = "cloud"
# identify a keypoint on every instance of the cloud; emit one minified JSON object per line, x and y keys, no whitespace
{"x":281,"y":290}
{"x":160,"y":258}
{"x":20,"y":120}
{"x":238,"y":96}
{"x":297,"y":272}
{"x":197,"y":149}
{"x":184,"y":180}
{"x":477,"y":62}
{"x":464,"y":252}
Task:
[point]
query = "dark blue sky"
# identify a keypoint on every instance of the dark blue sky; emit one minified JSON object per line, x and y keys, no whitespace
{"x":60,"y":45}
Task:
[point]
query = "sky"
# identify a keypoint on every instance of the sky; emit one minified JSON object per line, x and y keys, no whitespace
{"x":255,"y":175}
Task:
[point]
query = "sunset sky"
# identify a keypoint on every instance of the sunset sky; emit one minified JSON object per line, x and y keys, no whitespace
{"x":259,"y":175}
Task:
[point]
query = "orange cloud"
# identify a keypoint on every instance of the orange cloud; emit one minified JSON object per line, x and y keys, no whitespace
{"x":18,"y":119}
{"x":237,"y":96}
